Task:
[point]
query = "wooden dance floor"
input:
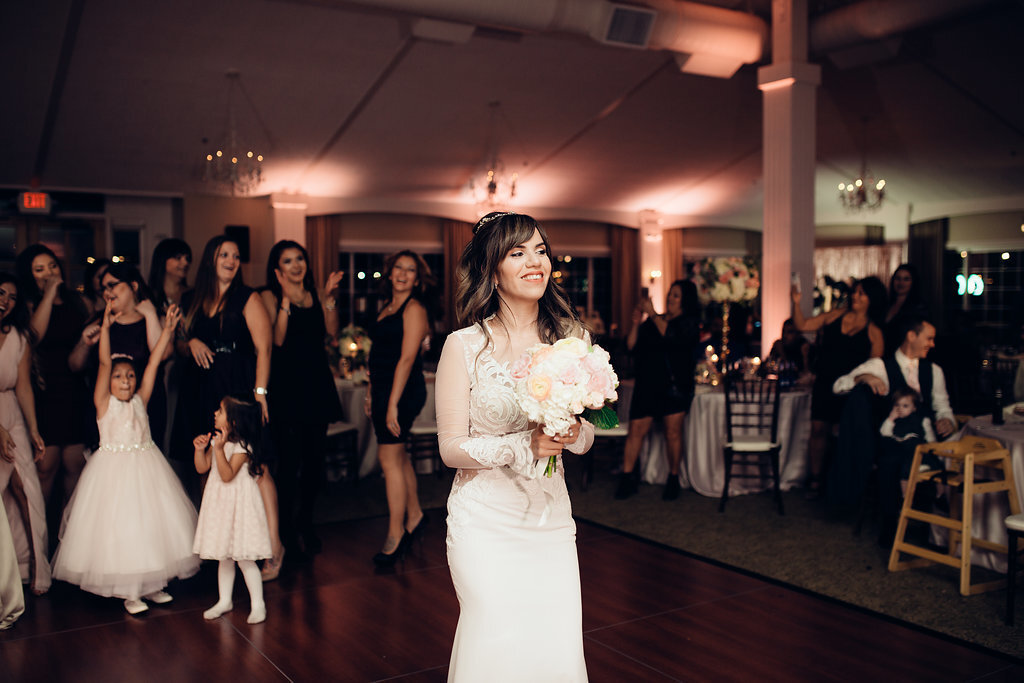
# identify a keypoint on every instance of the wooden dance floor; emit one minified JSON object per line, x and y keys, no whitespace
{"x":650,"y":614}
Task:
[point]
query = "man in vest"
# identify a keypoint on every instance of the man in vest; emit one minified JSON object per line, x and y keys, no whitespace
{"x":907,"y":367}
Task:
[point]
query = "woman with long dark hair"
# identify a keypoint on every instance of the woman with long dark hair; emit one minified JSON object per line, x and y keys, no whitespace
{"x":302,"y":398}
{"x":905,"y":301}
{"x":226,"y":341}
{"x":63,"y":406}
{"x":20,"y":442}
{"x":168,"y":272}
{"x":664,"y":348}
{"x":507,"y":521}
{"x":398,"y":391}
{"x":849,"y":337}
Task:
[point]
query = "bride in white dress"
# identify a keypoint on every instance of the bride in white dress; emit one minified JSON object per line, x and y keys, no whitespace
{"x":511,"y":536}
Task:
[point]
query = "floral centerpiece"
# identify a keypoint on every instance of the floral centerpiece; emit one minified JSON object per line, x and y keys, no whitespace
{"x":727,"y":279}
{"x":351,"y":348}
{"x":556,"y":382}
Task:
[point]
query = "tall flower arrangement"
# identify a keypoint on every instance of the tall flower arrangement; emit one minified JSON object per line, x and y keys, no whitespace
{"x":727,"y":280}
{"x":732,"y":279}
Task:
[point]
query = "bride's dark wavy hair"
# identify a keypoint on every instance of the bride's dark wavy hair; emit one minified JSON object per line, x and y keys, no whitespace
{"x":476,"y":297}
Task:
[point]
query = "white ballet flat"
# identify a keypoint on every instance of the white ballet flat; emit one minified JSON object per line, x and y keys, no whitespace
{"x":135,"y":606}
{"x":159,"y":598}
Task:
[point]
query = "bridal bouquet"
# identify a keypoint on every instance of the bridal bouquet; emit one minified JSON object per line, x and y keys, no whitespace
{"x":556,"y":382}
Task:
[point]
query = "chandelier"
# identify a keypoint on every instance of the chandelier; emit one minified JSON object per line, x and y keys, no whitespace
{"x":493,"y":188}
{"x":233,"y":165}
{"x":863,"y":192}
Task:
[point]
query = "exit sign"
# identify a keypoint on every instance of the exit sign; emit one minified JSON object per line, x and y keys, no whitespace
{"x":34,"y":202}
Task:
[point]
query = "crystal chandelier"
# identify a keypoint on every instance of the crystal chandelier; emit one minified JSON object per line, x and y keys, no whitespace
{"x":232,"y":165}
{"x":863,"y":192}
{"x":493,"y":189}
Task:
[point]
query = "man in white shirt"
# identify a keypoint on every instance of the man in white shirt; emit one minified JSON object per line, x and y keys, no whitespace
{"x":917,"y":342}
{"x":909,"y":367}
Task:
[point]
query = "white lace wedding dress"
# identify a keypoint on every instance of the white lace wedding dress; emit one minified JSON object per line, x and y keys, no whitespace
{"x":511,"y":536}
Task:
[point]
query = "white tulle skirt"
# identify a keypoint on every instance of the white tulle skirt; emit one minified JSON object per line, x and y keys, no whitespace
{"x":129,"y":526}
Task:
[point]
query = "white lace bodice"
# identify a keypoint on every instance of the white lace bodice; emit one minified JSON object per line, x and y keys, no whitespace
{"x":483,"y":432}
{"x":125,"y":425}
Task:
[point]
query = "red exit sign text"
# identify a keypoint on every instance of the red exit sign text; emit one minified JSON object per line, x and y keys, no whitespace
{"x":34,"y":202}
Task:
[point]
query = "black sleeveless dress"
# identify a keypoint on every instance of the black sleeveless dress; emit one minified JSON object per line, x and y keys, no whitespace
{"x":64,"y":407}
{"x":233,"y":370}
{"x":301,"y":385}
{"x":386,"y":335}
{"x":663,"y":366}
{"x":839,"y":354}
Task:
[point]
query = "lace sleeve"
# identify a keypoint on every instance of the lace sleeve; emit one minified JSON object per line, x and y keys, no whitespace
{"x":457,"y":446}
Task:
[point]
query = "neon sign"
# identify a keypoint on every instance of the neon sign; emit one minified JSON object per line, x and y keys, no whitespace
{"x":973,"y":284}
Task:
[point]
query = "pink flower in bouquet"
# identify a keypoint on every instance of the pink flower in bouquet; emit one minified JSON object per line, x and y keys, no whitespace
{"x":521,"y":368}
{"x":568,"y":375}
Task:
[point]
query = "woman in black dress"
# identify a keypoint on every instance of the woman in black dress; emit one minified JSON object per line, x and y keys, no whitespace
{"x":302,"y":398}
{"x":226,"y":344}
{"x":664,"y":348}
{"x":63,"y":405}
{"x":168,"y":272}
{"x":904,"y":302}
{"x":849,"y":336}
{"x":398,"y":392}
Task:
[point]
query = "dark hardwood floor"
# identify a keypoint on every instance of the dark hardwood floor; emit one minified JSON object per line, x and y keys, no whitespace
{"x":650,"y":614}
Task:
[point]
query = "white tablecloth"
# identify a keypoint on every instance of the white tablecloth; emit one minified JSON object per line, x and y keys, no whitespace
{"x":353,"y":397}
{"x":703,"y":467}
{"x":991,"y":510}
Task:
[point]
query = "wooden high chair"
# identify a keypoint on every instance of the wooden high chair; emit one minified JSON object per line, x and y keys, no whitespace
{"x":962,"y":458}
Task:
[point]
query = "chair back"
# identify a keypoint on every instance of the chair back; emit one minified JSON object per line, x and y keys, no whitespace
{"x":751,"y":408}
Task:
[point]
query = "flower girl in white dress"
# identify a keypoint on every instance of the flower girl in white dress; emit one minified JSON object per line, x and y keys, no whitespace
{"x":129,"y":525}
{"x":511,"y":536}
{"x":232,"y":520}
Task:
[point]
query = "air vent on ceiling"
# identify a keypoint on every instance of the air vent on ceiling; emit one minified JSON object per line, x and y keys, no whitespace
{"x":629,"y":26}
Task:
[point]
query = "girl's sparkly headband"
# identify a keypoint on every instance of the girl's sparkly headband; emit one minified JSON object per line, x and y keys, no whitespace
{"x":487,"y":219}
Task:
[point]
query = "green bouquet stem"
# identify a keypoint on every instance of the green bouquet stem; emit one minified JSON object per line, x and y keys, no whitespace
{"x":602,"y":418}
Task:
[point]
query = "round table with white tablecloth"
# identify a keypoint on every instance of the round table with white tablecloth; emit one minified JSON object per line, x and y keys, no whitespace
{"x":703,"y":467}
{"x":990,"y":510}
{"x":353,"y":398}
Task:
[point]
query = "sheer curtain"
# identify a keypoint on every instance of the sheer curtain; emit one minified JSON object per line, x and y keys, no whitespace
{"x":844,"y":263}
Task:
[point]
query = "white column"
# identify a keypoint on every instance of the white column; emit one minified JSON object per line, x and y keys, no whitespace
{"x":789,"y":88}
{"x":652,"y":258}
{"x":289,"y":217}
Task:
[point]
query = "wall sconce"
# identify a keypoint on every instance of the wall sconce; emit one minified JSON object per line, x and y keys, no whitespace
{"x":655,"y":274}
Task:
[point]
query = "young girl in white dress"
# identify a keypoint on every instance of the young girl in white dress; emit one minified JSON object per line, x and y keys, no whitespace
{"x":511,"y":536}
{"x":129,"y":525}
{"x":232,"y":520}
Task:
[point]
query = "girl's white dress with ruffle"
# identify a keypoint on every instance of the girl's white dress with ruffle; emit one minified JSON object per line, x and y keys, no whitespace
{"x":129,"y":525}
{"x":511,"y":535}
{"x":232,"y":519}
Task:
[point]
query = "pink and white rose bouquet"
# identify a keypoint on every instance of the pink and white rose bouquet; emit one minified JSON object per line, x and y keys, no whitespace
{"x":556,"y":382}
